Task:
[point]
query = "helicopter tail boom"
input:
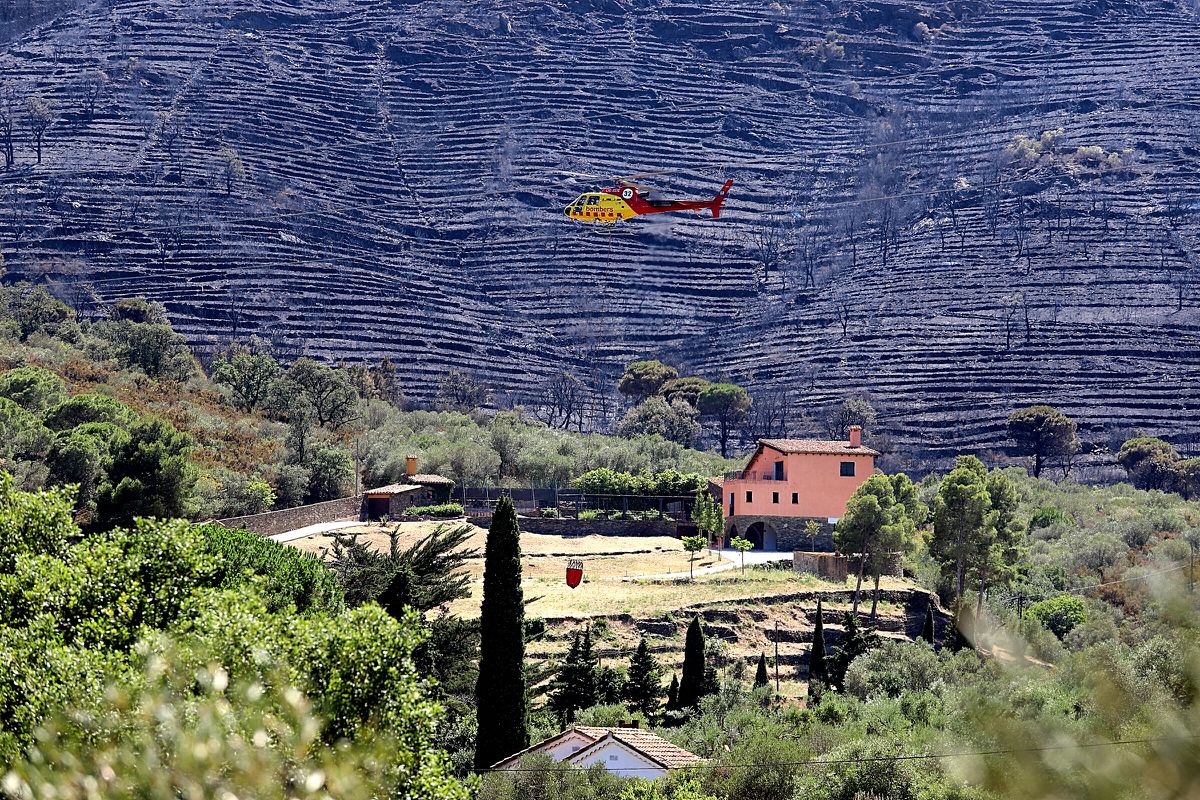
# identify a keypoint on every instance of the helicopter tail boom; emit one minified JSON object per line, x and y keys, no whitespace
{"x":719,"y":200}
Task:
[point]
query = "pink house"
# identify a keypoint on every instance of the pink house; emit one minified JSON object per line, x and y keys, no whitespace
{"x":790,"y":481}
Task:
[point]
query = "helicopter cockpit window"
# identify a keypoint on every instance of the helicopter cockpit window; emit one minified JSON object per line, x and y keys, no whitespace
{"x":592,"y":200}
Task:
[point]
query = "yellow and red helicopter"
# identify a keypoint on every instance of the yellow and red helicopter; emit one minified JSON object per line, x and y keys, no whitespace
{"x":627,"y":200}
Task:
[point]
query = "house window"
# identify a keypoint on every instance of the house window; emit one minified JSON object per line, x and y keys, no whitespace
{"x":612,"y":757}
{"x":774,"y":497}
{"x":795,"y":498}
{"x":847,"y":469}
{"x":778,"y":470}
{"x":749,"y":497}
{"x":731,"y":504}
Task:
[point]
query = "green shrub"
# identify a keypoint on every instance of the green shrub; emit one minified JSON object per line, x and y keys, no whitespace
{"x":285,"y":576}
{"x":443,"y":511}
{"x":1060,"y":614}
{"x":550,"y":513}
{"x":83,"y":408}
{"x":33,"y":388}
{"x":668,"y":482}
{"x":1048,"y":516}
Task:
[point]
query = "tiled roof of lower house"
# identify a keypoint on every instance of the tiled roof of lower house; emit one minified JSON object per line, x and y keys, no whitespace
{"x":651,"y":745}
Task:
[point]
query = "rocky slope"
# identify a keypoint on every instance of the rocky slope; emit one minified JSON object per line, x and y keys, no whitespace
{"x":362,"y":178}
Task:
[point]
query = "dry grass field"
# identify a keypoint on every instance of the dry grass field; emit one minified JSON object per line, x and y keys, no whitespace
{"x":742,"y":610}
{"x":618,"y":573}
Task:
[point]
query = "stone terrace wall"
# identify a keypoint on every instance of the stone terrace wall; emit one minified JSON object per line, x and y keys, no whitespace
{"x":289,"y":519}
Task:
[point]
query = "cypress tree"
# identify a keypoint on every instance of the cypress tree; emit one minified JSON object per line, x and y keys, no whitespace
{"x":761,"y":679}
{"x":500,"y":694}
{"x":691,"y":687}
{"x":673,"y":693}
{"x":644,"y":685}
{"x":816,"y":657}
{"x":927,"y":629}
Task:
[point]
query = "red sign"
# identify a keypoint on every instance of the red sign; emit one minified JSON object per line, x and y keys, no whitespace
{"x":574,"y":572}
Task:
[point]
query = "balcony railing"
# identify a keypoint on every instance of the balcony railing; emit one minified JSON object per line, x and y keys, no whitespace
{"x":741,"y":475}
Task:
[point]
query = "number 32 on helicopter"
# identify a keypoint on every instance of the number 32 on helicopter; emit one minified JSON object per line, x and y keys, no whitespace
{"x":627,"y":200}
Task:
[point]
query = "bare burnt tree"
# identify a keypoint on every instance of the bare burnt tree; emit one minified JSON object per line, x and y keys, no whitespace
{"x":843,"y":310}
{"x":562,"y":401}
{"x":8,"y":120}
{"x":769,"y":245}
{"x":90,"y":89}
{"x":770,"y":417}
{"x":40,"y":115}
{"x":1009,"y":315}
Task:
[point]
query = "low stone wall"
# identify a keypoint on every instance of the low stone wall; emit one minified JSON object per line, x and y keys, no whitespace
{"x":289,"y":519}
{"x":830,"y":566}
{"x":787,"y":533}
{"x":588,"y":527}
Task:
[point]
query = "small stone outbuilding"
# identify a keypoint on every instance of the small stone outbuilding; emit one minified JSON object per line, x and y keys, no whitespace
{"x":416,"y":489}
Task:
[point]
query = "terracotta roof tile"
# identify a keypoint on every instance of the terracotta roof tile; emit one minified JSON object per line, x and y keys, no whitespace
{"x":393,"y":488}
{"x":817,"y":446}
{"x":650,"y":744}
{"x":423,"y":479}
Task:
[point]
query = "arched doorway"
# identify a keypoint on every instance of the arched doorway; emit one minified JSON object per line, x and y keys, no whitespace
{"x":755,"y":534}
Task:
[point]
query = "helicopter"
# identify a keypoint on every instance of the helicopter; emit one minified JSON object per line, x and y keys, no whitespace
{"x":627,"y":200}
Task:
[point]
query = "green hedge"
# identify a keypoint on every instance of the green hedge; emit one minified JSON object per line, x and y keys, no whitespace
{"x":287,"y":576}
{"x":443,"y":511}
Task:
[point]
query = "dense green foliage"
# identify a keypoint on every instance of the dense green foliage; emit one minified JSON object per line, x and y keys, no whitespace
{"x":167,"y":656}
{"x":501,"y":704}
{"x":1060,"y":614}
{"x":284,"y":576}
{"x":665,"y":483}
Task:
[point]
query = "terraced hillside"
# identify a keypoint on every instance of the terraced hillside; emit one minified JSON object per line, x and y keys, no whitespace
{"x":360,"y":178}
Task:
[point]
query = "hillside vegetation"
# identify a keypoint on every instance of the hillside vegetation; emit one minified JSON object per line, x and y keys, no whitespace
{"x":124,"y":399}
{"x":952,"y":207}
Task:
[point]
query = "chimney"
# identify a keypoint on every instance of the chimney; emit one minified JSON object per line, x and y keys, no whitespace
{"x":856,"y":435}
{"x":410,"y":465}
{"x":628,"y":723}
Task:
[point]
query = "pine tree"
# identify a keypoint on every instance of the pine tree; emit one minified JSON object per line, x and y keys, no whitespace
{"x":927,"y":630}
{"x":644,"y":685}
{"x":586,"y":672}
{"x":856,"y":640}
{"x":816,"y":657}
{"x":761,"y":679}
{"x":673,"y":693}
{"x":691,"y":686}
{"x":500,"y":691}
{"x":577,"y":685}
{"x":564,"y":693}
{"x":712,"y":682}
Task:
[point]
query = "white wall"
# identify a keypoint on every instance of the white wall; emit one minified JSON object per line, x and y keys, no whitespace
{"x":622,"y":761}
{"x":567,"y":747}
